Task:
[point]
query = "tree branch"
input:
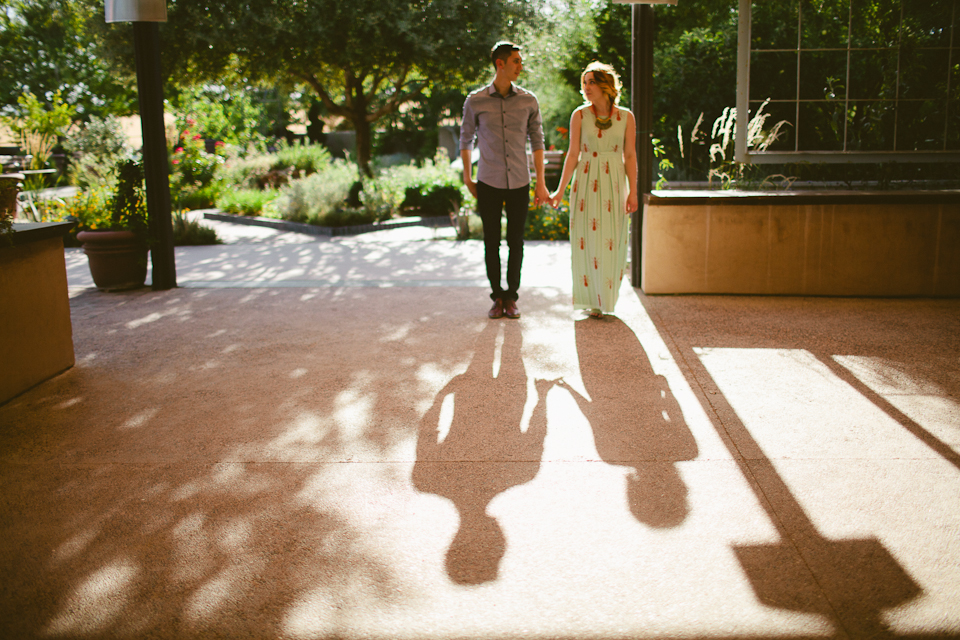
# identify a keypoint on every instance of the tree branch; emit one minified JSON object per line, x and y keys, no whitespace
{"x":398,"y":97}
{"x":325,"y":98}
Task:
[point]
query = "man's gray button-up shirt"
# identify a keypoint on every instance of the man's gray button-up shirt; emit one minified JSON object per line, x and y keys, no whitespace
{"x":500,"y":126}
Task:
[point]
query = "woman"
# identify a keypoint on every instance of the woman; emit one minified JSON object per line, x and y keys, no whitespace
{"x":602,"y":160}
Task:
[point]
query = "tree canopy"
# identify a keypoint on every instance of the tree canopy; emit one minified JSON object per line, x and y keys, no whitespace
{"x":362,"y":59}
{"x":45,"y":47}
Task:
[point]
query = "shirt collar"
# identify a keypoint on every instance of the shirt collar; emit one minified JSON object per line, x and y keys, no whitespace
{"x":491,"y":90}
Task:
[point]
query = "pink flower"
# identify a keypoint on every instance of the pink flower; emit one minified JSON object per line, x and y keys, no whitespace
{"x":197,"y":137}
{"x":191,"y":122}
{"x":219,"y":143}
{"x":176,"y":162}
{"x":178,"y":150}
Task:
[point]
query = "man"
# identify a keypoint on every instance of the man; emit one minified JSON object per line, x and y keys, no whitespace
{"x":500,"y":118}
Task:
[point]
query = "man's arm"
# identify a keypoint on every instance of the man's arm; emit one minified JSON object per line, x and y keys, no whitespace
{"x":465,"y":157}
{"x":468,"y":135}
{"x":535,"y":133}
{"x":542,"y":194}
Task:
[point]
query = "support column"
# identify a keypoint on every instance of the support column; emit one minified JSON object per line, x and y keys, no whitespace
{"x":146,"y":38}
{"x":641,"y":95}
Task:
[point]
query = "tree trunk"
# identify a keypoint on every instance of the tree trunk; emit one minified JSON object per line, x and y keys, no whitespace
{"x":364,"y":143}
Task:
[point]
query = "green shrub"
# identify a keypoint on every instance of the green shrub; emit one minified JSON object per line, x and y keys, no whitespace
{"x":246,"y":172}
{"x":433,"y":188}
{"x":348,"y":216}
{"x":98,"y":146}
{"x":315,"y":197}
{"x":306,"y":159}
{"x":196,"y":196}
{"x":187,"y":232}
{"x":440,"y":200}
{"x":246,"y":202}
{"x":274,"y":170}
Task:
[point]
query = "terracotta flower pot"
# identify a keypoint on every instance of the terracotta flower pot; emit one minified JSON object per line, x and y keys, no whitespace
{"x":118,"y":259}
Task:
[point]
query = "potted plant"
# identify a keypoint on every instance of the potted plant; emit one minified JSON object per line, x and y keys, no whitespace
{"x":116,"y":245}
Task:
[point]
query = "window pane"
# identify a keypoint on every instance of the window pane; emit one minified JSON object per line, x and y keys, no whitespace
{"x":825,"y":24}
{"x":823,"y":75}
{"x":954,"y":96}
{"x":926,"y":23}
{"x":920,"y":125}
{"x":923,"y":73}
{"x":820,"y":127}
{"x":773,"y":75}
{"x":774,"y":25}
{"x":873,"y":74}
{"x":779,"y":112}
{"x":870,"y":126}
{"x":953,"y":128}
{"x":876,"y":23}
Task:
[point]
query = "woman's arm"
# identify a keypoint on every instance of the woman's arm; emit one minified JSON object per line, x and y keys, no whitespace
{"x":573,"y":157}
{"x":630,"y":164}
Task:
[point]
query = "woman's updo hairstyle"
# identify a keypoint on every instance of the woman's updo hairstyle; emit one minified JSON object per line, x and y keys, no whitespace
{"x":606,"y":78}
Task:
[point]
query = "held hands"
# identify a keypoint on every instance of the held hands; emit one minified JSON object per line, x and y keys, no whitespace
{"x":556,"y":198}
{"x":541,"y":196}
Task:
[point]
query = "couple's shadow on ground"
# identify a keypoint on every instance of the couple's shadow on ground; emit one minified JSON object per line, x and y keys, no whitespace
{"x":472,"y":444}
{"x":486,"y":428}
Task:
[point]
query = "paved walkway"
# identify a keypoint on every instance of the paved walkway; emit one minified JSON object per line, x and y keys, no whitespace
{"x":328,"y":439}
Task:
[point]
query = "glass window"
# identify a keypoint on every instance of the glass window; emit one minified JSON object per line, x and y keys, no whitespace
{"x":862,"y":76}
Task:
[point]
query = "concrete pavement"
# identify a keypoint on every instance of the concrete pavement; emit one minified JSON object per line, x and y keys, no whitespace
{"x":328,"y":439}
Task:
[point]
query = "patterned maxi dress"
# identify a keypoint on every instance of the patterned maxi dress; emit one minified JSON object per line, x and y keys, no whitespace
{"x":599,"y":230}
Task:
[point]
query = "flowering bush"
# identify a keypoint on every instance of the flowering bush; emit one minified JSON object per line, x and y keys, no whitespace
{"x":193,"y":171}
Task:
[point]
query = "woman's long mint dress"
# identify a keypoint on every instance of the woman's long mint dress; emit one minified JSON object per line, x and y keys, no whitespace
{"x":599,"y":230}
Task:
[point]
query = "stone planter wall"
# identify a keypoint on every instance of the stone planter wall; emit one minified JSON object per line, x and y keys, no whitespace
{"x":894,"y":244}
{"x":36,"y":335}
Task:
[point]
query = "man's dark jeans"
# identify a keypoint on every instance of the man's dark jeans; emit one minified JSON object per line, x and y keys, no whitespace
{"x":490,"y":203}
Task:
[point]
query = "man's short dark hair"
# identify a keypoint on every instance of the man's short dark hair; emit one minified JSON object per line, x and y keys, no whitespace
{"x":502,"y":51}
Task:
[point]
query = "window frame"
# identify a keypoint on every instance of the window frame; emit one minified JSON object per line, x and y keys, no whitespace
{"x":751,"y":156}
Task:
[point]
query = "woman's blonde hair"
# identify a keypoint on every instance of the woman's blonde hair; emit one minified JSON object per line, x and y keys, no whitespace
{"x":606,"y":78}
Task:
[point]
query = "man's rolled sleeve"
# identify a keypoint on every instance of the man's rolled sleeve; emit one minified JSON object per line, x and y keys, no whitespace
{"x":468,"y":127}
{"x":535,"y":130}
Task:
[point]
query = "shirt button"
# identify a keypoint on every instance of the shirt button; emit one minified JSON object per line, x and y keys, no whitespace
{"x":594,"y":154}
